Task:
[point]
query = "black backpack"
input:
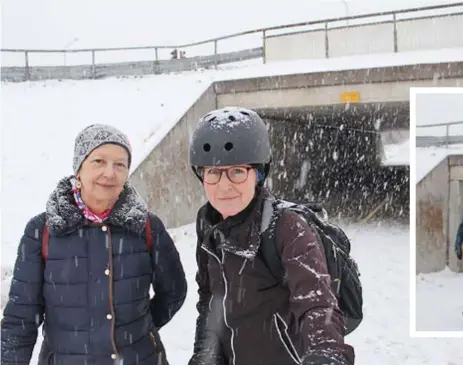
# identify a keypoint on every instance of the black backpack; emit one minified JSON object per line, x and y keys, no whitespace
{"x":345,"y":276}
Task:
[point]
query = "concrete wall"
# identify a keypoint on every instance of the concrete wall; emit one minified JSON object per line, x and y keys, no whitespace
{"x":382,"y":84}
{"x":442,"y":32}
{"x":413,"y":34}
{"x":432,"y":207}
{"x":374,"y":38}
{"x":165,"y":179}
{"x":329,"y":95}
{"x":295,"y":45}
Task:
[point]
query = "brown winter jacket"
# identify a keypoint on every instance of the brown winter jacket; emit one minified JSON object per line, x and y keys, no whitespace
{"x":245,"y":316}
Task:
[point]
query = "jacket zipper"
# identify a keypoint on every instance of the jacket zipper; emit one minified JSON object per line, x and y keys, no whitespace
{"x":291,"y":350}
{"x":111,"y":291}
{"x":224,"y":299}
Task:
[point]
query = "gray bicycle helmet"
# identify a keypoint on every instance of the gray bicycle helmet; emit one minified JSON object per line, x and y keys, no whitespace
{"x":230,"y":136}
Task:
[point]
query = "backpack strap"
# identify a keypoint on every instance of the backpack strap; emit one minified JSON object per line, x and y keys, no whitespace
{"x":270,"y":213}
{"x":45,"y":242}
{"x":149,"y":237}
{"x":268,"y":249}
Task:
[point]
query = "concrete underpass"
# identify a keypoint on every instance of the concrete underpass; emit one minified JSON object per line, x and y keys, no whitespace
{"x":334,"y":155}
{"x":326,"y":129}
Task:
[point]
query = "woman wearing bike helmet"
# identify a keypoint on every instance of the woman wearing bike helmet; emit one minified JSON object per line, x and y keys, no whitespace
{"x":245,"y":316}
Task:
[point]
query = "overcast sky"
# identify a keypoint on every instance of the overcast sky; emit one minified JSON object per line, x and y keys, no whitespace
{"x":112,"y":23}
{"x":439,"y":108}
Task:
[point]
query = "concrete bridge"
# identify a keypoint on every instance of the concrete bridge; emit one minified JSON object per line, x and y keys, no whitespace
{"x":366,"y":102}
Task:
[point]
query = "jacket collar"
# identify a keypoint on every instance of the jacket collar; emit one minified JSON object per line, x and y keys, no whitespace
{"x":63,"y":215}
{"x":239,"y":234}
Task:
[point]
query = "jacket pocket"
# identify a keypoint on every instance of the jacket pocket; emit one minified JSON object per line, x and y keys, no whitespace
{"x":282,"y":331}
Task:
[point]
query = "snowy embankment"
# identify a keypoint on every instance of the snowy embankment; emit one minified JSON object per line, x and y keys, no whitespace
{"x":439,"y":299}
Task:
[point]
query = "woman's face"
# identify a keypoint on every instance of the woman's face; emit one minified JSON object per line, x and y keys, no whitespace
{"x":229,"y":189}
{"x":104,"y":173}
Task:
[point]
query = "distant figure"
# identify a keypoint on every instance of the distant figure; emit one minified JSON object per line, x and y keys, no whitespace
{"x":86,"y":265}
{"x":177,"y":54}
{"x":174,"y":54}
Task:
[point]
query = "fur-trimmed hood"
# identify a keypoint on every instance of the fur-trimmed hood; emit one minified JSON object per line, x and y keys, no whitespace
{"x":63,"y":215}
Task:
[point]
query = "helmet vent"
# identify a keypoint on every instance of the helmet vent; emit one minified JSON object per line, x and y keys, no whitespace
{"x":228,"y":146}
{"x":206,"y":147}
{"x":244,"y":113}
{"x":231,"y":118}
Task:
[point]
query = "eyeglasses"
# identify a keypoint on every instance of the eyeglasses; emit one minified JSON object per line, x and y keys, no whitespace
{"x":236,"y":174}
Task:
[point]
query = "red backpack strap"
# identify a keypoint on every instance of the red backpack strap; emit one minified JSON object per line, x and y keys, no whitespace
{"x":149,"y":238}
{"x":45,"y":242}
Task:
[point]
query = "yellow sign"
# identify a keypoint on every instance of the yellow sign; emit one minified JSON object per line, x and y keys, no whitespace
{"x":350,"y":97}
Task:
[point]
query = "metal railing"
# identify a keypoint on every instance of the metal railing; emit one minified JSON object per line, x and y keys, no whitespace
{"x":428,"y":141}
{"x":156,"y":66}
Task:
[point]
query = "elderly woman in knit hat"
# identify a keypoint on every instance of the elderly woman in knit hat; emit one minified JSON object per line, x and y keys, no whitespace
{"x":85,"y":267}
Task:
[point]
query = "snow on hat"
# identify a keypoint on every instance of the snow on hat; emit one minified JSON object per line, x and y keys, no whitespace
{"x":94,"y":136}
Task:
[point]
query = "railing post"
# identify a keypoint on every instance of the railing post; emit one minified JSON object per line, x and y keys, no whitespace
{"x":27,"y":73}
{"x":263,"y":45}
{"x":396,"y":48}
{"x":447,"y":136}
{"x":327,"y":47}
{"x":93,"y":65}
{"x":156,"y":62}
{"x":215,"y":53}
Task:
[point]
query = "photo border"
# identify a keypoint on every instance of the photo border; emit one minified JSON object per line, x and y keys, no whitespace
{"x":414,"y":333}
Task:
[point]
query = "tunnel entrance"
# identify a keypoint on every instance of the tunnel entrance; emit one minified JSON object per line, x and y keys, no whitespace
{"x":334,"y":156}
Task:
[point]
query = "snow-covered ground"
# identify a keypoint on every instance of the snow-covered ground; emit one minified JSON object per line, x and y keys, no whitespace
{"x":439,"y":301}
{"x":397,"y":154}
{"x":355,"y":62}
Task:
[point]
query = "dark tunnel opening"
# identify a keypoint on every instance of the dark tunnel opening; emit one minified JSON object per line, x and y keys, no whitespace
{"x":334,"y":157}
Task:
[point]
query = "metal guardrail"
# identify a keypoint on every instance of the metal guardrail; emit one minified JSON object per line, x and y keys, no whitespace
{"x":428,"y":141}
{"x":12,"y":73}
{"x":140,"y":68}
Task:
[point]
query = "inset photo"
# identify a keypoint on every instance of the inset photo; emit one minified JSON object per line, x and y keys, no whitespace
{"x":437,"y":265}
